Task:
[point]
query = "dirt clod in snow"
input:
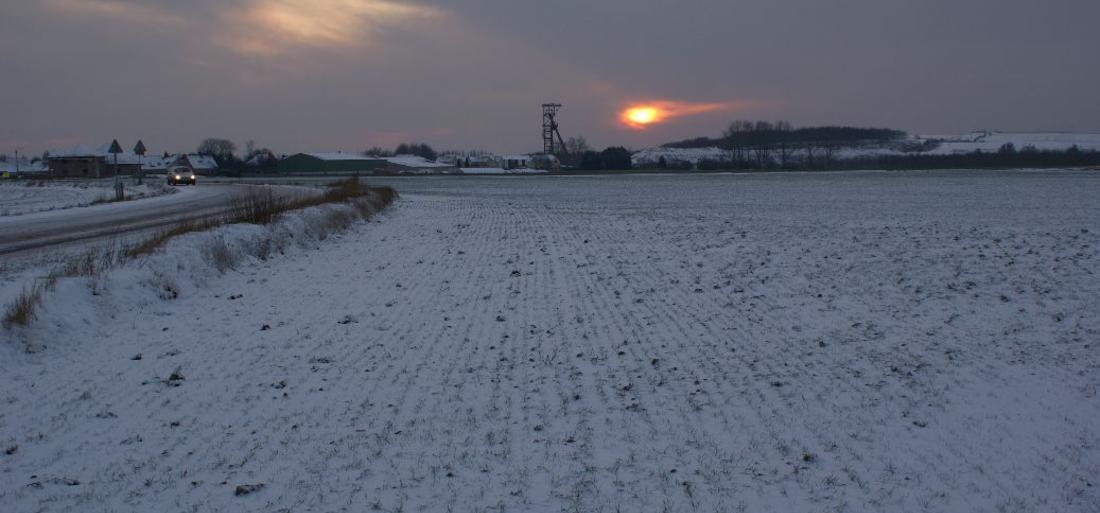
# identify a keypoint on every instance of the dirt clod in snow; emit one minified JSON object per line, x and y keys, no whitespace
{"x":246,"y":489}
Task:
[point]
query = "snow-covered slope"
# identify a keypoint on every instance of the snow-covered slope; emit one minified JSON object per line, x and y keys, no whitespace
{"x":676,"y":156}
{"x":993,"y":141}
{"x":17,"y":198}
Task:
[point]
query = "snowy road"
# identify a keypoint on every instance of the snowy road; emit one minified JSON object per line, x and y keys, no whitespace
{"x":46,"y":229}
{"x":853,"y":342}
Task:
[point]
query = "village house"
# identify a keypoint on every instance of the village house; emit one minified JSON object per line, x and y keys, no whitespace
{"x":86,"y":162}
{"x":199,"y":164}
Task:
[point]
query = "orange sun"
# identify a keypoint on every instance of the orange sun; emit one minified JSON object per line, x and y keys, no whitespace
{"x":641,"y":116}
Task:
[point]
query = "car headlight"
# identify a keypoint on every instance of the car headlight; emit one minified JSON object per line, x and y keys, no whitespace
{"x":177,"y":177}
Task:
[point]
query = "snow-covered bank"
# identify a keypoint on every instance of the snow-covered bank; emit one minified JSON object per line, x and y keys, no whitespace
{"x":797,"y":342}
{"x":24,"y":197}
{"x":938,"y":145}
{"x":501,"y":171}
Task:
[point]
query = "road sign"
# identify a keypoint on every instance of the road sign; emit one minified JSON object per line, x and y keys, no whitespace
{"x":140,"y":148}
{"x":115,"y":147}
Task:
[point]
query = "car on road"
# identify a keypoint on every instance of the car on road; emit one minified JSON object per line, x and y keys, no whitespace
{"x":181,"y":176}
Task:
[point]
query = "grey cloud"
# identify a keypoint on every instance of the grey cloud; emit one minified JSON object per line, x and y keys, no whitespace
{"x":475,"y":76}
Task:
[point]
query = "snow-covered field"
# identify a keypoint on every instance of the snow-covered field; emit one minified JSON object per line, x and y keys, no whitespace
{"x":24,"y":197}
{"x":770,"y":342}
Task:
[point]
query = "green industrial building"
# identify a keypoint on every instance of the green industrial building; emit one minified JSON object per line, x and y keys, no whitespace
{"x":334,"y":163}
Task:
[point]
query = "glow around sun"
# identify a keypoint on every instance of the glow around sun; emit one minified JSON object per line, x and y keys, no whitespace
{"x":641,"y":116}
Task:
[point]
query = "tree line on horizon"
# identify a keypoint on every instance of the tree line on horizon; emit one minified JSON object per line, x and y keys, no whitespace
{"x":778,"y":145}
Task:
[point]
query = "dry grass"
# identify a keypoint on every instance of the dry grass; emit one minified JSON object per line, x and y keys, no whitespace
{"x":22,"y":311}
{"x":260,"y":206}
{"x":263,"y":207}
{"x":220,"y":255}
{"x":160,"y":238}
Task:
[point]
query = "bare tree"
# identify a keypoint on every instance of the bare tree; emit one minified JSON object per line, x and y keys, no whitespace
{"x":785,"y":151}
{"x":811,"y":154}
{"x":422,"y":150}
{"x":577,"y":145}
{"x":829,"y":150}
{"x":762,"y":153}
{"x":221,"y":149}
{"x":575,"y":148}
{"x":378,"y":152}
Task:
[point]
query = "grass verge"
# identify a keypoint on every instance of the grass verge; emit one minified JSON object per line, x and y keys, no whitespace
{"x":260,"y":206}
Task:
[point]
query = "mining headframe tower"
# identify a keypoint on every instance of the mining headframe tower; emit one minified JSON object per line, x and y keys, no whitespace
{"x":550,"y":130}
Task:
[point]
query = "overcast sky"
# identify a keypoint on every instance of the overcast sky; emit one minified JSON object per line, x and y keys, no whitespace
{"x":305,"y":75}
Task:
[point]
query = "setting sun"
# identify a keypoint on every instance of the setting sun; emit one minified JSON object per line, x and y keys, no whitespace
{"x":641,"y":116}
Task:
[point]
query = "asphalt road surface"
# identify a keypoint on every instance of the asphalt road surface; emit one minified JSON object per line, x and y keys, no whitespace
{"x":46,"y":230}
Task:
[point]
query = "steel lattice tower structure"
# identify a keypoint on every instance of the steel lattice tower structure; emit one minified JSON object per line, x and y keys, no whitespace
{"x":550,"y":129}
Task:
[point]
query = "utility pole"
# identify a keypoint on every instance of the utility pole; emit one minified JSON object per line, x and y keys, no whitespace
{"x":115,"y":150}
{"x":139,"y":150}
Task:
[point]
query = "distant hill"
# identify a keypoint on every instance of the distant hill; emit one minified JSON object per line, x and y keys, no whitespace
{"x":867,"y":148}
{"x":751,"y":136}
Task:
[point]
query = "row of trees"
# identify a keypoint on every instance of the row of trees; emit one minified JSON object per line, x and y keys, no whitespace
{"x":613,"y":158}
{"x":419,"y":149}
{"x":743,"y":133}
{"x":224,"y":152}
{"x":764,"y":144}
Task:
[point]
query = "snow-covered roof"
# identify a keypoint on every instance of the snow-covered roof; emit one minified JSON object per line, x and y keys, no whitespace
{"x":202,"y":161}
{"x":102,"y":151}
{"x":81,"y":151}
{"x":413,"y":161}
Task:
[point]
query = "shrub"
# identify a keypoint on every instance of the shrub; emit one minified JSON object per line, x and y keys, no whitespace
{"x":220,"y":255}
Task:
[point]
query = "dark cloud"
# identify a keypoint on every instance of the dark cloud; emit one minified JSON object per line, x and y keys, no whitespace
{"x":348,"y":74}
